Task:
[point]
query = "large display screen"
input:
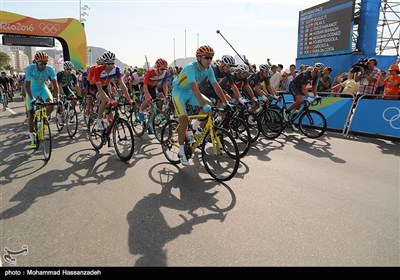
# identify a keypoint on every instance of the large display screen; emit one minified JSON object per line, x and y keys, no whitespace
{"x":21,"y":40}
{"x":326,"y":29}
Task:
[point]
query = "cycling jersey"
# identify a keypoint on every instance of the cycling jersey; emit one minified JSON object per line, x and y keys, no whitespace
{"x":205,"y":86}
{"x":100,"y":75}
{"x":38,"y":82}
{"x":304,"y":78}
{"x":256,"y":79}
{"x":153,"y":79}
{"x":66,"y":81}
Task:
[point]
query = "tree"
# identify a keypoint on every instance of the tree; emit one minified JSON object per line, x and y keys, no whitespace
{"x":4,"y":61}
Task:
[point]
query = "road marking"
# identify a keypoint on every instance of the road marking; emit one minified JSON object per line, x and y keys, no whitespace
{"x":11,"y":111}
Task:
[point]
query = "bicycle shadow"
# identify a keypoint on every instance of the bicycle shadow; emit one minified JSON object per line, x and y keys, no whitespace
{"x":319,"y":148}
{"x":185,"y":200}
{"x":85,"y":168}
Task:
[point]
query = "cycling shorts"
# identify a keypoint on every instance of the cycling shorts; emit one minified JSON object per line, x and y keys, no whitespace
{"x":43,"y":92}
{"x":180,"y":98}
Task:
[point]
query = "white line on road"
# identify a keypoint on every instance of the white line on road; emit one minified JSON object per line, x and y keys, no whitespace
{"x":11,"y":111}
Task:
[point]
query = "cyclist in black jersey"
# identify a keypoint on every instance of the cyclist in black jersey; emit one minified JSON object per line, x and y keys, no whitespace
{"x":257,"y":78}
{"x":298,"y":87}
{"x":221,"y":70}
{"x":67,"y":80}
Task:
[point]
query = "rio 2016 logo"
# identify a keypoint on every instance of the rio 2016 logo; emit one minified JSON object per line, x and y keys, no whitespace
{"x":392,"y":116}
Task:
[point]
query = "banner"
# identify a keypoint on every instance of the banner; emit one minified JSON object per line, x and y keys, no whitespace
{"x":376,"y":116}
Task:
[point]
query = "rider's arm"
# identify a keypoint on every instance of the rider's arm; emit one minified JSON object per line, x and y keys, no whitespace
{"x":56,"y":89}
{"x":218,"y":90}
{"x":28,"y":90}
{"x":197,"y":93}
{"x":124,"y":89}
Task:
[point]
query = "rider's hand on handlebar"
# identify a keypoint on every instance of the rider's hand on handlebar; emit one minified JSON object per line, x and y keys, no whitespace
{"x":310,"y":99}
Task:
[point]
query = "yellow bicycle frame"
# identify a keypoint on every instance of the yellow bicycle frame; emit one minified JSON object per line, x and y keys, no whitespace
{"x":40,"y":114}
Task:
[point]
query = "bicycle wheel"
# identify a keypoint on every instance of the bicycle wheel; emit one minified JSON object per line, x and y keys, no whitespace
{"x":241,"y":133}
{"x":124,"y":142}
{"x":137,"y":125}
{"x":159,"y":120}
{"x":95,"y":136}
{"x":253,"y":125}
{"x":271,"y":123}
{"x":221,"y":162}
{"x":312,"y":124}
{"x":169,"y":141}
{"x":59,"y":121}
{"x":46,"y":140}
{"x":71,"y":122}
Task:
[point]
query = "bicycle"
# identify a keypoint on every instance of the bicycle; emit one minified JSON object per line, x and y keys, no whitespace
{"x":155,"y":121}
{"x":311,"y":122}
{"x":68,"y":117}
{"x":122,"y":133}
{"x":41,"y":128}
{"x":220,"y":153}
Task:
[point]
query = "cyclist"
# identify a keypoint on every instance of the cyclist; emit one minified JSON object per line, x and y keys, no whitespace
{"x":185,"y":89}
{"x":155,"y":84}
{"x":36,"y":76}
{"x":136,"y":81}
{"x":91,"y":88}
{"x":259,"y":77}
{"x":65,"y":80}
{"x":5,"y":86}
{"x":298,"y":87}
{"x":102,"y":76}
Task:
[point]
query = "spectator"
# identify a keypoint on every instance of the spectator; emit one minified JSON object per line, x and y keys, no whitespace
{"x":392,"y":83}
{"x":348,"y":86}
{"x":324,"y":82}
{"x":368,"y":78}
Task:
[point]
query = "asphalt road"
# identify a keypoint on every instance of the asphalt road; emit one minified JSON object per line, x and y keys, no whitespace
{"x":295,"y":201}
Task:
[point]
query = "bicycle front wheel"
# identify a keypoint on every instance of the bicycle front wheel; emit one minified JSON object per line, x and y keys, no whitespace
{"x":241,"y":133}
{"x":137,"y":125}
{"x":271,"y":123}
{"x":312,"y":124}
{"x":159,"y":120}
{"x":95,"y":136}
{"x":124,"y":142}
{"x":72,"y":123}
{"x":169,"y":141}
{"x":46,"y":140}
{"x":220,"y":155}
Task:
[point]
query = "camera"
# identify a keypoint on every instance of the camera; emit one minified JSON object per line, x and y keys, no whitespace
{"x":362,"y":63}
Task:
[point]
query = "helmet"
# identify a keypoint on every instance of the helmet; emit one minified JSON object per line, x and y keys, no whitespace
{"x":264,"y":67}
{"x":394,"y":67}
{"x":203,"y":50}
{"x":140,"y":70}
{"x":41,"y":57}
{"x":243,"y":68}
{"x":100,"y":60}
{"x":161,"y":63}
{"x":68,"y":65}
{"x":108,"y":57}
{"x":319,"y":66}
{"x":227,"y":59}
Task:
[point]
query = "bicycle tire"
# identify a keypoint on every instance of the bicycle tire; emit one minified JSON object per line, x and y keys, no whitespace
{"x":253,"y":128}
{"x":46,"y":142}
{"x":138,"y":126}
{"x":159,"y":120}
{"x":95,"y":136}
{"x":240,"y":131}
{"x":220,"y":170}
{"x":271,"y":123}
{"x":312,"y":124}
{"x":169,"y":141}
{"x":72,"y":124}
{"x":123,"y":134}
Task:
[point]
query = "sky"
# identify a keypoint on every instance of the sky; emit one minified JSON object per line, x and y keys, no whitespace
{"x":133,"y":29}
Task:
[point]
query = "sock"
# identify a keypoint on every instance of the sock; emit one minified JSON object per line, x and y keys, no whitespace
{"x":182,"y":149}
{"x":31,"y":137}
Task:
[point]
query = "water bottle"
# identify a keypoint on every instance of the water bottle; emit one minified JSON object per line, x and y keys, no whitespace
{"x":190,"y":136}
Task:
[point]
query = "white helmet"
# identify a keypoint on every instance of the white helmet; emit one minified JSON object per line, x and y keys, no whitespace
{"x":243,"y":68}
{"x":227,"y":59}
{"x":68,"y":65}
{"x":319,"y":66}
{"x":100,"y":60}
{"x":264,"y":67}
{"x":108,"y":57}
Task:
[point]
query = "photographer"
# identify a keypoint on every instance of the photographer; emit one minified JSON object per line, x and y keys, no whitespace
{"x":368,"y":76}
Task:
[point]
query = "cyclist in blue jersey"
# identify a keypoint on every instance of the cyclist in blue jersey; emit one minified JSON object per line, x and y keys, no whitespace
{"x":36,"y":75}
{"x":185,"y":89}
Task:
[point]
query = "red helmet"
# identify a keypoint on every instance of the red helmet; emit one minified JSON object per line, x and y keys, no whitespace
{"x":41,"y":57}
{"x":161,"y":63}
{"x":204,"y":50}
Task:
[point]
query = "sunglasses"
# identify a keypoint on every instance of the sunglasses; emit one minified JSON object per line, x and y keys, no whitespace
{"x":42,"y":63}
{"x":110,"y":63}
{"x":162,"y":69}
{"x":68,"y":69}
{"x":208,"y":57}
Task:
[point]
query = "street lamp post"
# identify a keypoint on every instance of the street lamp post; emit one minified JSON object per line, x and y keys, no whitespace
{"x":82,"y":11}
